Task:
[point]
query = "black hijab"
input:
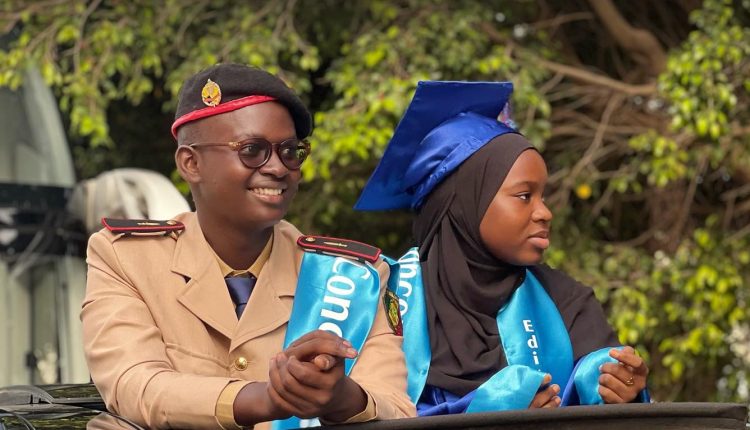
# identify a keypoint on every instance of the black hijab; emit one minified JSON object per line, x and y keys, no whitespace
{"x":465,"y":285}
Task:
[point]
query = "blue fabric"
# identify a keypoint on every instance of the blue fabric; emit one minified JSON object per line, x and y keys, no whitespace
{"x":335,"y":294}
{"x":240,"y":288}
{"x":583,"y":387}
{"x":445,"y":148}
{"x":586,"y":377}
{"x":445,"y":123}
{"x":643,"y":397}
{"x":410,"y":291}
{"x":436,"y":401}
{"x":569,"y":395}
{"x":534,"y":339}
{"x":533,"y":333}
{"x":513,"y":387}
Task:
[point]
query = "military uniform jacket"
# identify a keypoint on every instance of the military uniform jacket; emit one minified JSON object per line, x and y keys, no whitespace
{"x":162,"y":339}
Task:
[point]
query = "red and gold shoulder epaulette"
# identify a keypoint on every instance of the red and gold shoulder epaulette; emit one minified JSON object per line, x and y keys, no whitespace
{"x":142,"y":227}
{"x":339,"y":247}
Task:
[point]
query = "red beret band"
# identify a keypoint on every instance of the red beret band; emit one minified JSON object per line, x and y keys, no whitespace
{"x":216,"y":110}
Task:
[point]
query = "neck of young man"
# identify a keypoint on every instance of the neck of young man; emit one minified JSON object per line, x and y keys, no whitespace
{"x":238,"y":247}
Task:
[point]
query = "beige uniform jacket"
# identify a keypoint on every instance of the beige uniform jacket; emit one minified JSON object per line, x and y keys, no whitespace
{"x":162,"y":339}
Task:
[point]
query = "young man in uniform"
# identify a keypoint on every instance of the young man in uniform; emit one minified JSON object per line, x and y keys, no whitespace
{"x":225,"y":316}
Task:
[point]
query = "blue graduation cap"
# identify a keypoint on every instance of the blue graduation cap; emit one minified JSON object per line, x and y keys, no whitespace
{"x":445,"y":123}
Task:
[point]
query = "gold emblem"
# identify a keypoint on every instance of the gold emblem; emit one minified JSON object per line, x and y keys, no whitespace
{"x":148,"y":223}
{"x":211,"y":93}
{"x":310,"y":239}
{"x":393,"y":312}
{"x":171,"y":222}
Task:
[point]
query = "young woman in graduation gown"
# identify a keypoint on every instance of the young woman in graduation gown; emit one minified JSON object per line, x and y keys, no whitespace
{"x":487,"y":325}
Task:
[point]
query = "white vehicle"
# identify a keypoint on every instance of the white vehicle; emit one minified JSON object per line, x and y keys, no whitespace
{"x":46,"y":217}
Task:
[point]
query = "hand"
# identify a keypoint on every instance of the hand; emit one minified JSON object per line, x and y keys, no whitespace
{"x":621,"y":382}
{"x":326,"y":362}
{"x":307,"y":379}
{"x":260,"y":402}
{"x":320,"y":342}
{"x":253,"y":405}
{"x":546,"y":398}
{"x":301,"y":388}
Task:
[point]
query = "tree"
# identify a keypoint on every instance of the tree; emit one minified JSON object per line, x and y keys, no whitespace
{"x":640,"y":109}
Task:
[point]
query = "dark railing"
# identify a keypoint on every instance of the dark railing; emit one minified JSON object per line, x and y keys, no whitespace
{"x":607,"y":417}
{"x":37,"y":404}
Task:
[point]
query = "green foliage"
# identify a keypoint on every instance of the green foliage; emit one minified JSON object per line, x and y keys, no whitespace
{"x":658,"y":158}
{"x":706,"y":78}
{"x":374,"y":77}
{"x":683,"y":301}
{"x":678,"y":309}
{"x":377,"y":73}
{"x":650,"y":191}
{"x":120,"y":50}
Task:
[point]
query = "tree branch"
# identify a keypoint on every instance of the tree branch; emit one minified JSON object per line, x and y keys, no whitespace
{"x":597,"y":79}
{"x":687,"y":203}
{"x":9,"y":19}
{"x":81,"y":27}
{"x":189,"y":18}
{"x":596,"y":143}
{"x":562,"y":19}
{"x":641,"y":44}
{"x":573,"y":72}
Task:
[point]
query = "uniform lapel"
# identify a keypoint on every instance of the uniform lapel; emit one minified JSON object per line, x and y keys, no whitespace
{"x":205,"y":294}
{"x":267,"y":308}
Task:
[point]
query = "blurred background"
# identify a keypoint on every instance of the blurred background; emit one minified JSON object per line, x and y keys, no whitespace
{"x":640,"y":108}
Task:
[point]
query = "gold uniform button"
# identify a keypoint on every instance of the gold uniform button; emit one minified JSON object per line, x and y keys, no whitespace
{"x":240,"y":363}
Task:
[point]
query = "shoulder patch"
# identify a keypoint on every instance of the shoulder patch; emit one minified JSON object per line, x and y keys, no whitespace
{"x":142,"y":227}
{"x":339,"y":248}
{"x":393,"y":312}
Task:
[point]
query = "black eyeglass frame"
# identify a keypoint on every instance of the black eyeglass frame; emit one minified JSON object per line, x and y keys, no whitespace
{"x":238,"y":145}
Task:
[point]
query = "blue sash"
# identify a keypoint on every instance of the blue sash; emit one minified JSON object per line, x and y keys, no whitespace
{"x":533,"y":337}
{"x":334,"y":294}
{"x":410,"y":292}
{"x":533,"y":333}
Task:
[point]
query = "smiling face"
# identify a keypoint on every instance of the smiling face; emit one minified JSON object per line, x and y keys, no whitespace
{"x":227,"y":192}
{"x":515,"y":227}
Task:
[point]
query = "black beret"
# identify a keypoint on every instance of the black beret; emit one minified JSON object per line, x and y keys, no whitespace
{"x":227,"y":87}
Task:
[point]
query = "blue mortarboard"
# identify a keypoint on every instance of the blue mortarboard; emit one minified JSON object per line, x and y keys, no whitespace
{"x":445,"y":123}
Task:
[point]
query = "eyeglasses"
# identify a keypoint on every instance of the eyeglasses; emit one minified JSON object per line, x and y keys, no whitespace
{"x":256,"y":151}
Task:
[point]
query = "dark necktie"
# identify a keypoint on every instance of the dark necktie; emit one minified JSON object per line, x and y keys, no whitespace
{"x":240,"y":288}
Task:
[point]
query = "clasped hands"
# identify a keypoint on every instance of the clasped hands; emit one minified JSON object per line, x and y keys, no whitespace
{"x":618,"y":382}
{"x":305,"y":380}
